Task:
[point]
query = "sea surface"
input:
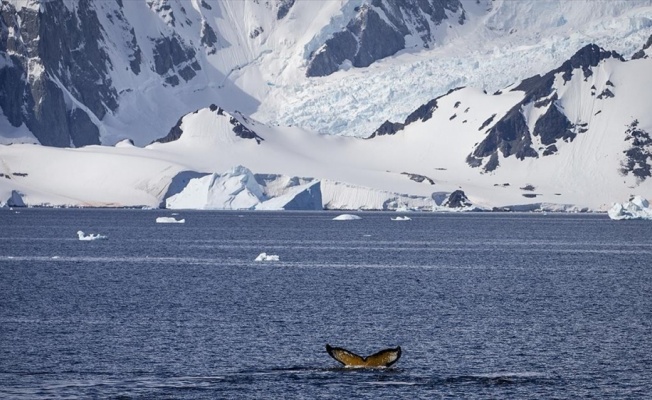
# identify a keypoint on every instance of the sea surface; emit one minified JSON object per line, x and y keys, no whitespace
{"x":483,"y":305}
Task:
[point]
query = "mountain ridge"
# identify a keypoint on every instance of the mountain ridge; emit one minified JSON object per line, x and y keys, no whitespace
{"x":572,"y":136}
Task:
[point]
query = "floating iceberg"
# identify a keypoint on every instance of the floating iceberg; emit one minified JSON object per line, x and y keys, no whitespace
{"x":267,"y":257}
{"x":241,"y":189}
{"x":169,"y":220}
{"x":90,"y":236}
{"x":636,"y":208}
{"x":399,"y":218}
{"x":346,"y":217}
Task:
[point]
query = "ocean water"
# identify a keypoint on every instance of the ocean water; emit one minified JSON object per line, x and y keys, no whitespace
{"x":484,"y":306}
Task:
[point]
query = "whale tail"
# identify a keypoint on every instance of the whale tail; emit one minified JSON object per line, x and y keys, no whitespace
{"x":383,"y":358}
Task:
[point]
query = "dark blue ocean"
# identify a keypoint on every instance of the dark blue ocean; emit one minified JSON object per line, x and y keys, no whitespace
{"x":484,"y":305}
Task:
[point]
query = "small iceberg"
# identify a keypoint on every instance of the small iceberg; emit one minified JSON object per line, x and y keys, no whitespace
{"x":169,"y":220}
{"x":346,"y":217}
{"x":399,"y":218}
{"x":267,"y":257}
{"x":90,"y":236}
{"x":636,"y":208}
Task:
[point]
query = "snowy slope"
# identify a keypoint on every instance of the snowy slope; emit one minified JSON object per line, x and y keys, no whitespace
{"x":410,"y":166}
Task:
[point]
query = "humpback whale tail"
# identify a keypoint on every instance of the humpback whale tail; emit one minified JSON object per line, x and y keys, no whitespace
{"x":383,"y":358}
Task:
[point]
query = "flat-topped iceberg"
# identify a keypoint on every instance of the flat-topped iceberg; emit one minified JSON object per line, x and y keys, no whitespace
{"x":636,"y":208}
{"x":169,"y":220}
{"x":399,"y":218}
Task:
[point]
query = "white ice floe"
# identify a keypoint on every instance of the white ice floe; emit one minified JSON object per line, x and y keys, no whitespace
{"x":346,"y":217}
{"x":169,"y":220}
{"x":267,"y":257}
{"x":636,"y":208}
{"x":399,"y":218}
{"x":90,"y":236}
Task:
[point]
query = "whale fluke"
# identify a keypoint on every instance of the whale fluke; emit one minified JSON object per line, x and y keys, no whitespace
{"x":383,"y":358}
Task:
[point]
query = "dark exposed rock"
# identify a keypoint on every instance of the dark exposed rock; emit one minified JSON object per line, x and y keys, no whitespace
{"x":641,"y":53}
{"x":242,"y":131}
{"x":369,"y":36}
{"x":418,"y":178}
{"x":587,"y":57}
{"x":511,"y":136}
{"x":366,"y":39}
{"x":172,"y":80}
{"x":87,"y":69}
{"x":12,"y":90}
{"x":423,"y":113}
{"x":552,"y":126}
{"x":328,"y":58}
{"x":206,"y":5}
{"x":370,"y":49}
{"x":136,"y":58}
{"x":284,"y":8}
{"x":174,"y":134}
{"x":487,"y":122}
{"x":536,"y":87}
{"x":187,"y":73}
{"x":474,"y":162}
{"x":256,"y":32}
{"x":457,"y":199}
{"x":528,"y":187}
{"x":638,"y":160}
{"x":552,"y":149}
{"x":546,"y":102}
{"x":171,"y":55}
{"x":83,"y":131}
{"x":65,"y":49}
{"x":135,"y":55}
{"x":208,"y":36}
{"x":47,"y":119}
{"x":493,"y":163}
{"x":387,"y":128}
{"x":605,"y":94}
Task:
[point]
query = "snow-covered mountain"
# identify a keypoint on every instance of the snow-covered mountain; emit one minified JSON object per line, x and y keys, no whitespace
{"x":528,"y":104}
